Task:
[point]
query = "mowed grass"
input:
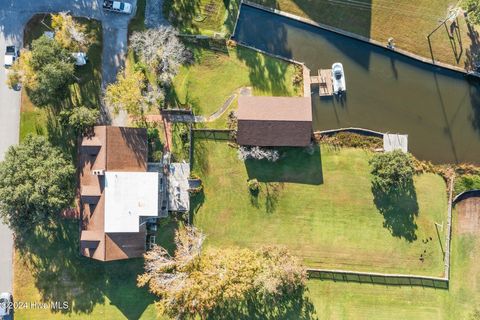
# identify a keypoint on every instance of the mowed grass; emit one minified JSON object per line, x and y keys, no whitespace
{"x":321,"y":207}
{"x":49,"y":268}
{"x":206,"y":84}
{"x":342,"y":300}
{"x":202,"y":16}
{"x":407,"y":21}
{"x":33,"y":120}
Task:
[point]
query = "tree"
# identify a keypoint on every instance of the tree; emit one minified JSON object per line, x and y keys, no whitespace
{"x":472,"y":7}
{"x":46,"y":71}
{"x":161,"y":49}
{"x":52,"y":83}
{"x":70,"y":34}
{"x":193,"y":283}
{"x":127,"y":93}
{"x":81,"y":119}
{"x":392,"y":170}
{"x":36,"y":182}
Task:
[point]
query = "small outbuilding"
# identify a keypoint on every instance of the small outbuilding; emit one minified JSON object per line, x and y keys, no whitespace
{"x":274,"y":121}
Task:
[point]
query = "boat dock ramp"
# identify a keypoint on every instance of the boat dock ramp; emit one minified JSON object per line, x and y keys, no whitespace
{"x":324,"y":82}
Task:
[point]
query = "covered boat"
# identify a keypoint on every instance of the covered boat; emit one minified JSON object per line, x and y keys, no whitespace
{"x":338,"y":78}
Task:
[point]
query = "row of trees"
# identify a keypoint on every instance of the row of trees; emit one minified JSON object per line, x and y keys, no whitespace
{"x":208,"y":284}
{"x":161,"y":54}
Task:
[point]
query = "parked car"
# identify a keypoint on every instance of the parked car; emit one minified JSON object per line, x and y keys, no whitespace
{"x":117,"y":6}
{"x":6,"y":306}
{"x":11,"y":54}
{"x":81,"y":58}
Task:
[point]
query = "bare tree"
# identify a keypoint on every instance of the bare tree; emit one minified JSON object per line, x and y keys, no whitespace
{"x":161,"y":49}
{"x":257,"y":153}
{"x":188,"y":241}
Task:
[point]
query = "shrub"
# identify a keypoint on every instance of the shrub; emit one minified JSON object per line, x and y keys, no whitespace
{"x":472,"y":7}
{"x":392,"y":170}
{"x":253,"y":186}
{"x":466,"y":183}
{"x":257,"y":153}
{"x":82,"y":119}
{"x":198,"y":189}
{"x":352,"y":140}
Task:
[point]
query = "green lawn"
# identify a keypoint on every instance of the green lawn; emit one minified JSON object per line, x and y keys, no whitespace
{"x":407,"y":21}
{"x":202,"y":16}
{"x":214,"y":76}
{"x":320,"y":206}
{"x":341,"y":300}
{"x":48,"y":267}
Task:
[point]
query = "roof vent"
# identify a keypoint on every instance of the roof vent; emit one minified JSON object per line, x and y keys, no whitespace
{"x":100,"y":172}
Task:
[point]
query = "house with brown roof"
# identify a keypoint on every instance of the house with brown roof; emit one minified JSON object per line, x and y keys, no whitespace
{"x":274,"y":121}
{"x":117,"y":193}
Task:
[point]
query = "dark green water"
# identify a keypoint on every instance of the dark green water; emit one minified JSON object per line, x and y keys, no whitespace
{"x":387,"y":92}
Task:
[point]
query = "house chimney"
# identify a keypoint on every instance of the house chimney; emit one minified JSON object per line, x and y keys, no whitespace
{"x":99,"y":172}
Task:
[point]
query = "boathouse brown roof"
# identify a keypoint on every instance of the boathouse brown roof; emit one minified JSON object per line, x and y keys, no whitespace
{"x":274,"y":121}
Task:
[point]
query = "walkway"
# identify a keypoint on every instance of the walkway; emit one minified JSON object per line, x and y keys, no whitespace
{"x":243,"y":91}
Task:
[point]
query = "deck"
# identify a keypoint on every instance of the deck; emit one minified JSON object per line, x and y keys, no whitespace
{"x":393,"y":142}
{"x":324,"y":82}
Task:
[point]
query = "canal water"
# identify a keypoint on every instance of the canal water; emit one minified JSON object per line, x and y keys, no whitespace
{"x":387,"y":92}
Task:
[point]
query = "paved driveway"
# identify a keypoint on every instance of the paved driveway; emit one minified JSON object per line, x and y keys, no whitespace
{"x":13,"y":16}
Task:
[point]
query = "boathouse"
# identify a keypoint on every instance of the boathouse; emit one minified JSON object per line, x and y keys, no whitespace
{"x":274,"y":121}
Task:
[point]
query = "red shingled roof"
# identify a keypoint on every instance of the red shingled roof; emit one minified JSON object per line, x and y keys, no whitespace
{"x":110,"y":149}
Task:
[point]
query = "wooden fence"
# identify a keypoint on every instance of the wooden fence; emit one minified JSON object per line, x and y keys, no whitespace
{"x":378,"y":278}
{"x":212,"y":134}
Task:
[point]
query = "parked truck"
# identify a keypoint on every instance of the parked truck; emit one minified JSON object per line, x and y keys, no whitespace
{"x":117,"y":6}
{"x":11,"y":54}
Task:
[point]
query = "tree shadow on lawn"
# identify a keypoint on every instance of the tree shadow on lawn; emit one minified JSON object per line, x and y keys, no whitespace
{"x":51,"y":254}
{"x":182,"y":13}
{"x":295,"y":165}
{"x":265,"y":73}
{"x":399,"y":208}
{"x":294,"y":306}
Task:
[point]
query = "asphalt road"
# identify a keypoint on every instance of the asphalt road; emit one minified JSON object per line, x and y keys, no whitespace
{"x":13,"y":16}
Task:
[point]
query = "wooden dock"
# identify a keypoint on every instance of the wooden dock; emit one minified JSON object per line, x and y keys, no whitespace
{"x":324,"y":82}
